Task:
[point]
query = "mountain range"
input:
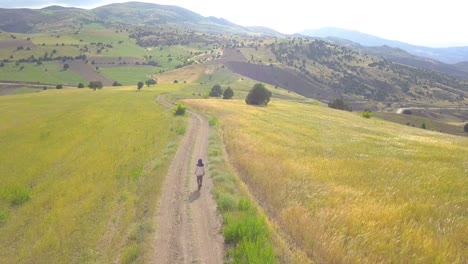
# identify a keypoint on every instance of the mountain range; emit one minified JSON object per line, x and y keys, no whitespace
{"x":449,"y":55}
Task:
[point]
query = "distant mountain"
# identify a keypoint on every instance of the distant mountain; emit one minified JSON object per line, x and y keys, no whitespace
{"x":447,"y":55}
{"x":403,"y":57}
{"x":57,"y":18}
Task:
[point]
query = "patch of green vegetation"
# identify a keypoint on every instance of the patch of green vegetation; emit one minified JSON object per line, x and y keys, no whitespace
{"x":129,"y":75}
{"x":26,"y":90}
{"x":49,"y":72}
{"x":245,"y":229}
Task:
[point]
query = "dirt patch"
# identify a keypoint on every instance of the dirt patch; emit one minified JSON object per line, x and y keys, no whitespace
{"x":189,"y":228}
{"x":14,"y":44}
{"x":88,"y":72}
{"x":186,"y":74}
{"x":288,"y":79}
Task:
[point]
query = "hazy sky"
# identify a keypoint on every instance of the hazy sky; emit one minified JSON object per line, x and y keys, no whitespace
{"x":421,"y":22}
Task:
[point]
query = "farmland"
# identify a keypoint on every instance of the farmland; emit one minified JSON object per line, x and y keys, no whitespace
{"x":349,"y":189}
{"x":81,"y":172}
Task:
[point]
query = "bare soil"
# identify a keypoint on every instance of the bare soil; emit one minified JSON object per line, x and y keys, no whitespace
{"x":188,"y":223}
{"x":14,"y":44}
{"x":88,"y":72}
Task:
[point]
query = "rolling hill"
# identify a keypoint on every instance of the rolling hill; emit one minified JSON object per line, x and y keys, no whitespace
{"x":447,"y":55}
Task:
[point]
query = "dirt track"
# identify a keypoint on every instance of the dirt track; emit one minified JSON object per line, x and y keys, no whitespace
{"x":188,"y":229}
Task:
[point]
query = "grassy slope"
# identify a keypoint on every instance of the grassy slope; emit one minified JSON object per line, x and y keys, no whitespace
{"x":128,"y":75}
{"x":81,"y":172}
{"x":349,"y":189}
{"x":37,"y":73}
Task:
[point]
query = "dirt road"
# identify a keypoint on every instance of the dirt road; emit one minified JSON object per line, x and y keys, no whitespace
{"x":189,"y":228}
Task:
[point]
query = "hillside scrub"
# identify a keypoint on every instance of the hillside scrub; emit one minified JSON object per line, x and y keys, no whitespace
{"x":228,"y":93}
{"x":340,"y":105}
{"x":379,"y":193}
{"x":259,"y":95}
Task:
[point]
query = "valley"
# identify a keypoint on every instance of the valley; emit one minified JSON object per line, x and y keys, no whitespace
{"x":105,"y":175}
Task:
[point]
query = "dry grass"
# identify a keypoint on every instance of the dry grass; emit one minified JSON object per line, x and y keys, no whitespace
{"x":349,"y":189}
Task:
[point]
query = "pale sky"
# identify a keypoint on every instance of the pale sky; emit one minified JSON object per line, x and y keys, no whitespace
{"x":421,"y":22}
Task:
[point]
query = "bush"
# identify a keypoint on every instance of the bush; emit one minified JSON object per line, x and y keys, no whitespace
{"x":367,"y":114}
{"x":226,"y":202}
{"x":3,"y":216}
{"x":340,"y":104}
{"x":228,"y":93}
{"x":80,"y":85}
{"x":180,"y":109}
{"x":259,"y":95}
{"x":18,"y":196}
{"x":59,"y":86}
{"x":465,"y":128}
{"x":407,"y":112}
{"x":213,"y":121}
{"x":423,"y":125}
{"x":116,"y":84}
{"x":216,"y":91}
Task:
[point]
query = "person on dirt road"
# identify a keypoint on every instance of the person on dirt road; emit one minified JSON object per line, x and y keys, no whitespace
{"x":200,"y":172}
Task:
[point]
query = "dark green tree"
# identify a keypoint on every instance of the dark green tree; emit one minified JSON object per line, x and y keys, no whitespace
{"x":340,"y":104}
{"x":59,"y":86}
{"x":95,"y":85}
{"x":150,"y":82}
{"x":466,"y":128}
{"x":116,"y":84}
{"x":140,"y":85}
{"x":228,"y":93}
{"x":80,"y":85}
{"x":216,"y":91}
{"x":66,"y":66}
{"x":258,"y":95}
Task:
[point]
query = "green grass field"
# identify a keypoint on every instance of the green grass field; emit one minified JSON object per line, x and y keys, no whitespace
{"x":348,"y":189}
{"x":128,"y":75}
{"x":37,"y":73}
{"x":81,"y":172}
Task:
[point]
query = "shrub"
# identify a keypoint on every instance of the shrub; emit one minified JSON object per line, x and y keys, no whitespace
{"x":18,"y":196}
{"x":244,"y":204}
{"x":340,"y":104}
{"x":116,"y":84}
{"x":140,"y":85}
{"x":407,"y":112}
{"x":367,"y":113}
{"x":216,"y":91}
{"x":213,"y":121}
{"x":180,"y":109}
{"x":465,"y":128}
{"x":80,"y":85}
{"x":228,"y":93}
{"x":176,"y":81}
{"x":59,"y":86}
{"x":423,"y":125}
{"x":258,"y":95}
{"x":226,"y":202}
{"x":3,"y":216}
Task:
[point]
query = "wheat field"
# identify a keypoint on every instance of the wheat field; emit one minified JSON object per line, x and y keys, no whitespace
{"x":348,"y":189}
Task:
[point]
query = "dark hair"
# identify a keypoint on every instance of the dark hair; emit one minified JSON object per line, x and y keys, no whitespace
{"x":200,"y":162}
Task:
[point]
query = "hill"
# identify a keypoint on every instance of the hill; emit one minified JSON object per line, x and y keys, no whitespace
{"x":56,"y":18}
{"x":447,"y":55}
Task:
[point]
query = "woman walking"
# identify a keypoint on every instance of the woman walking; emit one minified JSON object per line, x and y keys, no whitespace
{"x":200,"y":172}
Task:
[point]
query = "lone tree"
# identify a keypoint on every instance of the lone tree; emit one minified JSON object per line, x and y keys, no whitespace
{"x":140,"y":85}
{"x":259,"y":95}
{"x":80,"y":85}
{"x":59,"y":86}
{"x":66,"y":66}
{"x":150,"y":82}
{"x":95,"y":85}
{"x":216,"y":91}
{"x":466,"y":128}
{"x":228,"y":93}
{"x":340,"y":104}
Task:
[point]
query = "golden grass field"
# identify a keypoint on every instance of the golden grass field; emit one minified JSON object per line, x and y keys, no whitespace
{"x":348,"y":189}
{"x":81,"y":172}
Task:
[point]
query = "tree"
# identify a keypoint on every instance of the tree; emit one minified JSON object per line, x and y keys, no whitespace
{"x":216,"y":90}
{"x":116,"y":84}
{"x":423,"y":125}
{"x":466,"y":128}
{"x":95,"y":85}
{"x":407,"y":112}
{"x":59,"y":86}
{"x":340,"y":104}
{"x":80,"y":85}
{"x":228,"y":93}
{"x":258,"y":95}
{"x":140,"y":85}
{"x":180,"y":109}
{"x":150,"y":82}
{"x":66,"y":66}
